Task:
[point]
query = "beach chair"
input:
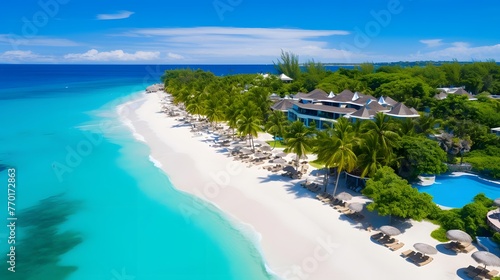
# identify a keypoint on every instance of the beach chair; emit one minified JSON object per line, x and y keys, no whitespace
{"x":407,"y":253}
{"x":396,"y":246}
{"x":491,"y":274}
{"x":475,"y":272}
{"x":425,"y":260}
{"x":341,"y":209}
{"x":468,"y":269}
{"x":391,"y":242}
{"x":416,"y":258}
{"x":377,"y":236}
{"x":468,"y":249}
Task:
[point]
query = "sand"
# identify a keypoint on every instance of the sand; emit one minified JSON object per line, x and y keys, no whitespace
{"x":301,"y":238}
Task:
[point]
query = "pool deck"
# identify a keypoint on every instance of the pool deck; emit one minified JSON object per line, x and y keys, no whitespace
{"x":493,"y":219}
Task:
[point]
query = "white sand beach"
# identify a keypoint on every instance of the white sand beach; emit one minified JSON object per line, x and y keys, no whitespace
{"x":302,"y":238}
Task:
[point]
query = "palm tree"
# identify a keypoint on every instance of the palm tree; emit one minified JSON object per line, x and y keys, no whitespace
{"x":426,"y":124}
{"x":383,"y":128}
{"x":276,"y":125}
{"x":335,"y":148}
{"x":370,"y":157}
{"x":232,"y":114}
{"x":298,"y":140}
{"x":195,"y":105}
{"x":406,"y":127}
{"x":214,"y":109}
{"x":249,"y":122}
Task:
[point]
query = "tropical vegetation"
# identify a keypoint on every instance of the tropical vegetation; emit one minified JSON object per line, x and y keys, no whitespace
{"x":387,"y":150}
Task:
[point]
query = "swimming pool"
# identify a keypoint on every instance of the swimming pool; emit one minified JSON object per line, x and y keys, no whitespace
{"x":457,"y":190}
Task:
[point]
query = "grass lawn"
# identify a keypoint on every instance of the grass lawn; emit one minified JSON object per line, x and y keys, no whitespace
{"x":278,"y":144}
{"x":316,"y":165}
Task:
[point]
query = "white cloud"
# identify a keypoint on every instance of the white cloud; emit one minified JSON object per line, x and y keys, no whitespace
{"x":240,"y":45}
{"x":16,"y":41}
{"x":116,"y":55}
{"x":461,"y":51}
{"x":174,"y":56}
{"x":24,"y":56}
{"x":118,"y":15}
{"x":431,"y":43}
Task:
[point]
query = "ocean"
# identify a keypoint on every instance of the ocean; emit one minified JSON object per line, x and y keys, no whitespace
{"x":86,"y":199}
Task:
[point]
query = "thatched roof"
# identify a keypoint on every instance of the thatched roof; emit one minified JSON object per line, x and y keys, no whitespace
{"x":282,"y":105}
{"x":400,"y":110}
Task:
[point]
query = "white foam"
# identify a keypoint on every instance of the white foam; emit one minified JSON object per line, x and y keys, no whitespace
{"x":156,"y":162}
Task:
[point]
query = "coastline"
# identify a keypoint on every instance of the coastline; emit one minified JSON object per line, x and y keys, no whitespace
{"x":299,"y":236}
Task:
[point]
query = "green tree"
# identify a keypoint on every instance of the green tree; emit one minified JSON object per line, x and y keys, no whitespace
{"x":288,"y":64}
{"x":393,"y":196}
{"x":276,"y":125}
{"x":298,"y":140}
{"x":334,"y":148}
{"x":384,"y":130}
{"x":370,"y":156}
{"x":420,"y":155}
{"x":249,"y":123}
{"x":214,"y":109}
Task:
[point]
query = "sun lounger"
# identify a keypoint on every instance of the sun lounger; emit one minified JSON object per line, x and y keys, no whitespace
{"x":468,"y":269}
{"x":377,"y":236}
{"x":491,"y":274}
{"x":396,"y":246}
{"x":475,"y":272}
{"x":391,"y":242}
{"x":416,"y":258}
{"x":407,"y":253}
{"x":425,"y":260}
{"x":468,"y":249}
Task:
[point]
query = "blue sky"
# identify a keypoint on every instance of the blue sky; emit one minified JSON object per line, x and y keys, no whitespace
{"x":247,"y":31}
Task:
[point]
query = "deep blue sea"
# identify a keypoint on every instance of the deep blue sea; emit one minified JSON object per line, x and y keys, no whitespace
{"x":88,"y":201}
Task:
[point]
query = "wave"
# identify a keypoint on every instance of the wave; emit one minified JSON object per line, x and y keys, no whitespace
{"x":156,"y":162}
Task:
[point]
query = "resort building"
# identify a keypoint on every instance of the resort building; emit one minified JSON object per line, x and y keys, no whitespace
{"x":444,"y":92}
{"x":322,"y":109}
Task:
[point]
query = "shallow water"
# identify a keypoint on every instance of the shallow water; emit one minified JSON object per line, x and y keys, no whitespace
{"x":65,"y":140}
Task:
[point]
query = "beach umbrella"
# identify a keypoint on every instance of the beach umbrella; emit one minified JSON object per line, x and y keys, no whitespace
{"x":390,"y":230}
{"x":278,"y":161}
{"x":260,"y":155}
{"x":289,"y":168}
{"x":343,"y":196}
{"x":246,"y":151}
{"x":496,"y":202}
{"x":281,"y":154}
{"x":486,"y":258}
{"x":266,"y":148}
{"x":425,"y":249}
{"x":458,"y":235}
{"x":356,"y":206}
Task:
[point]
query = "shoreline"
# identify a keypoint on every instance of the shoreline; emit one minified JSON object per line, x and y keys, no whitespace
{"x":299,"y":236}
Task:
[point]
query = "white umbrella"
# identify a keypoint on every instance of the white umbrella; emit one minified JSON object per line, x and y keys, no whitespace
{"x":390,"y":230}
{"x":343,"y":196}
{"x":486,"y":258}
{"x":265,"y":148}
{"x":260,"y":155}
{"x":425,"y":248}
{"x":356,"y":206}
{"x":278,"y":161}
{"x":459,"y":235}
{"x":246,"y":151}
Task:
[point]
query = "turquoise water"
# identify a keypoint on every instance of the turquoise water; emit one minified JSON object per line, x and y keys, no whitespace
{"x":456,"y":191}
{"x":118,"y":216}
